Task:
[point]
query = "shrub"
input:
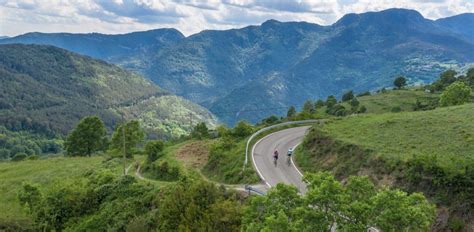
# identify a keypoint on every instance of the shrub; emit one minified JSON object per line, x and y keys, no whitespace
{"x":457,"y":93}
{"x":200,"y":131}
{"x":242,"y":129}
{"x":19,"y":156}
{"x":396,"y":109}
{"x":154,"y":150}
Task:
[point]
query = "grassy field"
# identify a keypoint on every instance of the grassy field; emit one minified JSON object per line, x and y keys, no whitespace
{"x":405,"y":99}
{"x":43,"y":172}
{"x":447,"y":133}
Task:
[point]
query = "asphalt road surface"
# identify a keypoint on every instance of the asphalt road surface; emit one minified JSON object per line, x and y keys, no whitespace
{"x":283,"y":172}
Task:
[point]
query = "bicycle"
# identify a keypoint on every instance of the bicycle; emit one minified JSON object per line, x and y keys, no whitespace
{"x":275,"y":159}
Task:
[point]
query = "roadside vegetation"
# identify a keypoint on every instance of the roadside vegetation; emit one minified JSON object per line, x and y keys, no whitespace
{"x":428,"y":151}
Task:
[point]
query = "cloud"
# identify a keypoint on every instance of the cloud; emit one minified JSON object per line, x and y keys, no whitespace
{"x":192,"y":16}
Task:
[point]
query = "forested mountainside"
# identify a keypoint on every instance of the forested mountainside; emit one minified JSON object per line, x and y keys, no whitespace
{"x":47,"y":90}
{"x":283,"y":63}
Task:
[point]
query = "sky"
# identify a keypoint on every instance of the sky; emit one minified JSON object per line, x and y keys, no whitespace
{"x":192,"y":16}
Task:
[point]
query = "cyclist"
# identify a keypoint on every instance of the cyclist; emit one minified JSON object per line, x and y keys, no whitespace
{"x":290,"y":152}
{"x":275,"y":157}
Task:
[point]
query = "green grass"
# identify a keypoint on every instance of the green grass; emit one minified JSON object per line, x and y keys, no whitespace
{"x":43,"y":172}
{"x":405,"y":99}
{"x":447,"y":133}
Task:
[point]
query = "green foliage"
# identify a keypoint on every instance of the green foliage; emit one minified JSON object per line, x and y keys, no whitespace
{"x":291,"y":112}
{"x":242,"y":129}
{"x":154,"y":150}
{"x":102,"y":200}
{"x":396,"y":109}
{"x":200,"y":131}
{"x":12,"y":142}
{"x":354,"y":206}
{"x":87,"y":138}
{"x":456,"y":93}
{"x":400,"y":82}
{"x":366,"y":93}
{"x":127,"y":137}
{"x":319,"y":104}
{"x":337,"y":110}
{"x":270,"y":120}
{"x":433,"y":155}
{"x":162,"y":170}
{"x":308,"y":107}
{"x":331,"y":101}
{"x":347,"y":96}
{"x":19,"y":156}
{"x":445,"y":79}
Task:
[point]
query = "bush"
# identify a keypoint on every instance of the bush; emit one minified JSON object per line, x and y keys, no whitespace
{"x":19,"y":156}
{"x":154,"y":150}
{"x":396,"y":109}
{"x":242,"y":129}
{"x":337,"y":110}
{"x":200,"y":131}
{"x":457,"y":93}
{"x":163,"y":171}
{"x":366,"y":93}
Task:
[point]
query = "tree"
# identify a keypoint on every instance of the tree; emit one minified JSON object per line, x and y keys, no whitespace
{"x":319,"y":104}
{"x":291,"y":112}
{"x":200,"y":131}
{"x":354,"y":104}
{"x":242,"y":129}
{"x":400,"y":82}
{"x":347,"y":96}
{"x":362,"y":109}
{"x":457,"y":93}
{"x":88,"y":137}
{"x":134,"y":135}
{"x":337,"y":110}
{"x":154,"y":150}
{"x":308,"y":107}
{"x":353,"y":206}
{"x":331,"y":101}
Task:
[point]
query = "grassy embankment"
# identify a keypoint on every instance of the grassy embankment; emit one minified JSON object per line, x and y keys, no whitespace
{"x":428,"y":151}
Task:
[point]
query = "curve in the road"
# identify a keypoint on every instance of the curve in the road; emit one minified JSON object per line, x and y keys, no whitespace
{"x":262,"y":157}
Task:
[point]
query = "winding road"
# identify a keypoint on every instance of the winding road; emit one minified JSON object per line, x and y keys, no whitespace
{"x":262,"y":157}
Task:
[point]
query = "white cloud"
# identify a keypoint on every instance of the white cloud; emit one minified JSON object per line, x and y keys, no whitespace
{"x":192,"y":16}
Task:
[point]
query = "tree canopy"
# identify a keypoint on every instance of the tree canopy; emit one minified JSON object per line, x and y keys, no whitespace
{"x":88,"y":137}
{"x":457,"y":93}
{"x":400,"y":82}
{"x":353,"y":206}
{"x":134,"y":135}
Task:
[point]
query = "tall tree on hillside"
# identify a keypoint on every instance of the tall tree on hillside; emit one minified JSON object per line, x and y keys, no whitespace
{"x":457,"y":93}
{"x":200,"y":131}
{"x":127,"y":136}
{"x":319,"y":104}
{"x":347,"y":96}
{"x":308,"y":107}
{"x":400,"y":82}
{"x":291,"y":112}
{"x":331,"y":101}
{"x":88,"y":137}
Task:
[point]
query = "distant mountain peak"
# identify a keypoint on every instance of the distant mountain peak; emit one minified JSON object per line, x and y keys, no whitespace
{"x":270,"y":23}
{"x":397,"y":15}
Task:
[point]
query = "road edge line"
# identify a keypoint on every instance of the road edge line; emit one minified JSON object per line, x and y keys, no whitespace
{"x":253,"y":159}
{"x":292,"y":162}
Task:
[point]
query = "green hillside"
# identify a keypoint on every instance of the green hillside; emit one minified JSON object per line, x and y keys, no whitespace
{"x":44,"y":172}
{"x":383,"y":102}
{"x":427,"y":151}
{"x":46,"y":90}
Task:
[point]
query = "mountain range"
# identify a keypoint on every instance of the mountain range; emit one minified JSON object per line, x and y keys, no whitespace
{"x":47,"y":90}
{"x":252,"y":72}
